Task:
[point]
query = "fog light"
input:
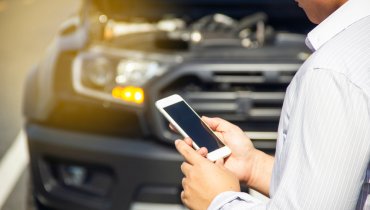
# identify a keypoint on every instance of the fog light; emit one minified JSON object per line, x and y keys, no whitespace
{"x":74,"y":175}
{"x":93,"y":180}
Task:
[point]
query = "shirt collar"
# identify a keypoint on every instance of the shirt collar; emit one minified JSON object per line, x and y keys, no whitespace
{"x":343,"y":17}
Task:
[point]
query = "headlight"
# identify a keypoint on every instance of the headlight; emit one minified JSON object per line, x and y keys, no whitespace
{"x":114,"y":77}
{"x":135,"y":72}
{"x":98,"y":72}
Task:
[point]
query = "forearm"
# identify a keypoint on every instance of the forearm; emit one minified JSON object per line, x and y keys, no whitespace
{"x":261,"y":171}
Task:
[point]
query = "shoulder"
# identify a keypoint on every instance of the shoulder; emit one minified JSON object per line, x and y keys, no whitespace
{"x":320,"y":84}
{"x":345,"y":56}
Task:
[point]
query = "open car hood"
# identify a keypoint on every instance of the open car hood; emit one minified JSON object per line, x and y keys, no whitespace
{"x":283,"y":14}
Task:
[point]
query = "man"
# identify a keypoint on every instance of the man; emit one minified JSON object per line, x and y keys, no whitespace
{"x":323,"y":145}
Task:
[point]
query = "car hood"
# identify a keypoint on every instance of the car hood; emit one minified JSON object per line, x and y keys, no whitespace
{"x":282,"y":13}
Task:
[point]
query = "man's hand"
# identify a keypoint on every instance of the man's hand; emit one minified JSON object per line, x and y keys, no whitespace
{"x":239,"y":143}
{"x":239,"y":162}
{"x":250,"y":165}
{"x":203,"y":180}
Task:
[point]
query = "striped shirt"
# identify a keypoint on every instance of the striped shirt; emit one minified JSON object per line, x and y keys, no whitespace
{"x":323,"y":146}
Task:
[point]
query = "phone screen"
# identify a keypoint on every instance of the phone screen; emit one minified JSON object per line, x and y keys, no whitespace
{"x":193,"y":126}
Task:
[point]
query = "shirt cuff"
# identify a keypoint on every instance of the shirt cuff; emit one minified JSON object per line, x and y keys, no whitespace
{"x":228,"y":197}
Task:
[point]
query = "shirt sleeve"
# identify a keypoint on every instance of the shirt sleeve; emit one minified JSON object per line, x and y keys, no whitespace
{"x":325,"y":151}
{"x":235,"y":201}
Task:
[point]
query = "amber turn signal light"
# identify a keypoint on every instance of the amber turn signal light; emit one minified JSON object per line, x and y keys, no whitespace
{"x":129,"y":94}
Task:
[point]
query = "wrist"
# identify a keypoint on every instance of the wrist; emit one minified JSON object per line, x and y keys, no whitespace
{"x":260,"y":166}
{"x":251,"y":163}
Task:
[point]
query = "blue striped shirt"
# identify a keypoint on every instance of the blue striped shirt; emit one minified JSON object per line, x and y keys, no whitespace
{"x":323,"y":146}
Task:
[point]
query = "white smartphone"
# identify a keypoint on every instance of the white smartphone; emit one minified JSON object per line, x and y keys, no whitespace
{"x":189,"y":124}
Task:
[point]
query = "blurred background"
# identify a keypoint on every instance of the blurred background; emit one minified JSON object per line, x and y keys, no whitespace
{"x":26,"y":29}
{"x":79,"y":79}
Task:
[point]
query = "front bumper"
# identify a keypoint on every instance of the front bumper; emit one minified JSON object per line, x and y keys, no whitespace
{"x":121,"y":172}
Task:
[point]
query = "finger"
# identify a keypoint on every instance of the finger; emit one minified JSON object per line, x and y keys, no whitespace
{"x":218,"y":124}
{"x":190,"y":155}
{"x":226,"y":131}
{"x":183,"y":183}
{"x":185,"y":199}
{"x":185,"y":168}
{"x":220,"y":162}
{"x":183,"y":196}
{"x":188,"y":141}
{"x":172,"y":127}
{"x":203,"y":151}
{"x":220,"y":136}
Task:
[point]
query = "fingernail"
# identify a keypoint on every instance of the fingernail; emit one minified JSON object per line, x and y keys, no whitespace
{"x":177,"y":141}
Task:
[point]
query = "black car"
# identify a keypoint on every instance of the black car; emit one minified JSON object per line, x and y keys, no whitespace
{"x":96,"y":140}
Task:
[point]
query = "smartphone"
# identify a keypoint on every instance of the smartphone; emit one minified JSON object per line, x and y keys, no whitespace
{"x":189,"y":124}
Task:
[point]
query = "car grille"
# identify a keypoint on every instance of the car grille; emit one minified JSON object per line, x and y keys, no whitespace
{"x":248,"y":95}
